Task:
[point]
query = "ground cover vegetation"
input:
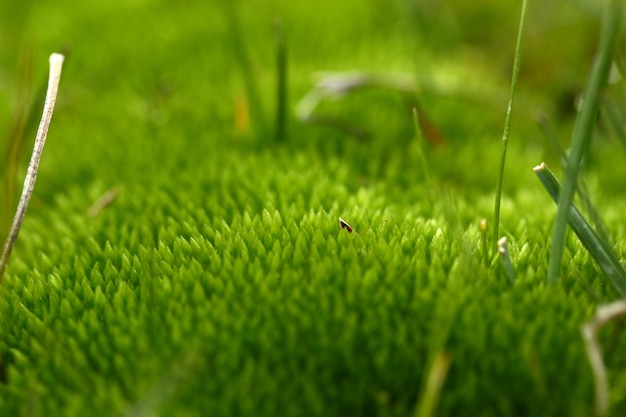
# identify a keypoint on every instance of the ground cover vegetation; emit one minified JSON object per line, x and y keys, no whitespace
{"x":183,"y":252}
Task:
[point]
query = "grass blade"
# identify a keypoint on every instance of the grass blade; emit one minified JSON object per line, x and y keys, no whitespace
{"x":596,"y":245}
{"x":582,"y":133}
{"x":507,"y":122}
{"x":419,"y":138}
{"x":281,"y":83}
{"x":56,"y":64}
{"x":550,"y":134}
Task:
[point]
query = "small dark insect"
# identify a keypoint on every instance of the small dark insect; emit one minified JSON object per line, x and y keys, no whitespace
{"x":345,"y":225}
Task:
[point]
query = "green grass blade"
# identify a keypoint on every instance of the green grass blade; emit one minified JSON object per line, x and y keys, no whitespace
{"x":507,"y":122}
{"x":419,"y":138}
{"x":582,"y":133}
{"x":550,"y":134}
{"x":595,"y":244}
{"x":281,"y":83}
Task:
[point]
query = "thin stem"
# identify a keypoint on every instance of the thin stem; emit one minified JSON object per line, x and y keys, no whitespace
{"x":56,"y":64}
{"x":507,"y":122}
{"x":583,"y":130}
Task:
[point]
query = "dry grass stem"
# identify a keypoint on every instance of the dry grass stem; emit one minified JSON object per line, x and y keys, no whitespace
{"x":589,"y":331}
{"x":56,"y":64}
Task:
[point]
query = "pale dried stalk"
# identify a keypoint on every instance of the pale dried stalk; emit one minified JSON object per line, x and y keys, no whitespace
{"x":589,"y":330}
{"x":56,"y":63}
{"x":103,"y":202}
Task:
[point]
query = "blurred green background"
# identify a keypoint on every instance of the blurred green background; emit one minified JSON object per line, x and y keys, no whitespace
{"x":153,"y":69}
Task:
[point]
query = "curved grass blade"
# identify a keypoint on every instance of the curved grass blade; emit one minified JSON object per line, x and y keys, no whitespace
{"x":550,"y":134}
{"x":596,"y":245}
{"x":583,"y":130}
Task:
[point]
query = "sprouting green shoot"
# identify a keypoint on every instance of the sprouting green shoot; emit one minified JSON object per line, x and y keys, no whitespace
{"x":56,"y":64}
{"x":583,"y":130}
{"x":599,"y":248}
{"x":281,"y":82}
{"x":507,"y":122}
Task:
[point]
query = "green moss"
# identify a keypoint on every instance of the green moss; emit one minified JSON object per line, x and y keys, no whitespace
{"x":219,"y":282}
